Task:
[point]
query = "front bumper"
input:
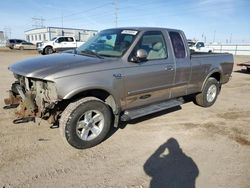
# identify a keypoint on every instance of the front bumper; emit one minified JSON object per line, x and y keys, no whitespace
{"x":39,"y":49}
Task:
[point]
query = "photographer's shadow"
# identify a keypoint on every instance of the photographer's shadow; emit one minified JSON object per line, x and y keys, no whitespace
{"x":170,"y":167}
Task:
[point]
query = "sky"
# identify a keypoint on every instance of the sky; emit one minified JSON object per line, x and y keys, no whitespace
{"x":224,"y":21}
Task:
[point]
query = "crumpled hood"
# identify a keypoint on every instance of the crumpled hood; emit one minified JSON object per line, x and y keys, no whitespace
{"x":57,"y":65}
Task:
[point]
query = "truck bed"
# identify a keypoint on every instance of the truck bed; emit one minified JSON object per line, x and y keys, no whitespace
{"x":222,"y":61}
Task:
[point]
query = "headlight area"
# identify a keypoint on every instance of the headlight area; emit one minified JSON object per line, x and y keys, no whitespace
{"x":33,"y":98}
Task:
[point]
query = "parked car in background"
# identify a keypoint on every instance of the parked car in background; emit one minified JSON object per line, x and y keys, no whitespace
{"x":58,"y":44}
{"x":11,"y":42}
{"x":25,"y":46}
{"x":199,"y":46}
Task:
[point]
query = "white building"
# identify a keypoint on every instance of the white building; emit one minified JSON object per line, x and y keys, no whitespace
{"x":2,"y":39}
{"x":47,"y":33}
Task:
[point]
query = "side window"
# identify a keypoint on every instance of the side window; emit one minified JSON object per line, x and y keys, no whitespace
{"x":70,"y":39}
{"x":153,"y":43}
{"x":178,"y":45}
{"x":200,"y":44}
{"x":61,"y":39}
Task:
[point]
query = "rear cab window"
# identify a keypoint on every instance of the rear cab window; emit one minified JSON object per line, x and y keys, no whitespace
{"x":177,"y":44}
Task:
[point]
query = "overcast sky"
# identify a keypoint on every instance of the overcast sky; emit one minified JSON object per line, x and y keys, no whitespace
{"x":213,"y":20}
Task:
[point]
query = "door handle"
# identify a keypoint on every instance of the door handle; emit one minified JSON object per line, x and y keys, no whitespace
{"x":169,"y":68}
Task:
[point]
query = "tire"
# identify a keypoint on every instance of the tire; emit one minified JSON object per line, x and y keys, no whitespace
{"x":48,"y":50}
{"x":21,"y":48}
{"x":91,"y":113}
{"x":209,"y":93}
{"x":248,"y":69}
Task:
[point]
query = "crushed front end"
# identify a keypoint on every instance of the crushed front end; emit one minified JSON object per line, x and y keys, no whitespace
{"x":33,"y":98}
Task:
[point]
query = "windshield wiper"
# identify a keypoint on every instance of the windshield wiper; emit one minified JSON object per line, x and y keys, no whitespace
{"x":89,"y":52}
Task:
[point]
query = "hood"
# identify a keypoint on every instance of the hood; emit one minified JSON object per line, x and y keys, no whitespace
{"x":53,"y":66}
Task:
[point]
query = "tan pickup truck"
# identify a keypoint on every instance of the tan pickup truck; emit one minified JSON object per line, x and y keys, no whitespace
{"x":118,"y":75}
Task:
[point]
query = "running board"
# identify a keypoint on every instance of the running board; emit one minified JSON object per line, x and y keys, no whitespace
{"x":142,"y":111}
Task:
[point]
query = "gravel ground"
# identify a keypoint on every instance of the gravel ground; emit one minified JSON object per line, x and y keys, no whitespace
{"x":188,"y":146}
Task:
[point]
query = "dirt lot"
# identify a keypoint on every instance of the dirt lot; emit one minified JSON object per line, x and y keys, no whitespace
{"x":191,"y":146}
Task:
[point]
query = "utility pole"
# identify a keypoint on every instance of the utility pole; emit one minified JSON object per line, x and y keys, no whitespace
{"x":62,"y":20}
{"x":7,"y":33}
{"x":230,"y":39}
{"x":38,"y":22}
{"x":62,"y":25}
{"x":214,"y":36}
{"x":116,"y":12}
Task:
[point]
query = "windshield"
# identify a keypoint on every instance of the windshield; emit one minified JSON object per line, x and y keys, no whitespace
{"x":53,"y":38}
{"x":109,"y":43}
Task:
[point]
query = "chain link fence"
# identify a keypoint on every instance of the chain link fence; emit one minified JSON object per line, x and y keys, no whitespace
{"x":235,"y":49}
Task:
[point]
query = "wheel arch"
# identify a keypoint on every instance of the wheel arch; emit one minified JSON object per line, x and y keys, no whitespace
{"x":213,"y":74}
{"x":100,"y":93}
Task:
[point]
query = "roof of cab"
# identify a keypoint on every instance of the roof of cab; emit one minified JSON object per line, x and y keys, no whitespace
{"x":145,"y":28}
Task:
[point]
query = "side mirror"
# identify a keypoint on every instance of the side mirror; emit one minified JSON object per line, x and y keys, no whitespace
{"x":141,"y":55}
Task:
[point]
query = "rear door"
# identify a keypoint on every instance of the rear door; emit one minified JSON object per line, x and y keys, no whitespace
{"x":149,"y":81}
{"x":183,"y":64}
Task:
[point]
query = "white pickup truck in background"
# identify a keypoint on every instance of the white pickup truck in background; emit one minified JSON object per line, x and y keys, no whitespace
{"x":57,"y":44}
{"x":199,"y":46}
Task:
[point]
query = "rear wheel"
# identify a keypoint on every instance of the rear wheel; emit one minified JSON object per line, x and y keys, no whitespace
{"x":209,"y":93}
{"x":85,"y":123}
{"x":21,"y":48}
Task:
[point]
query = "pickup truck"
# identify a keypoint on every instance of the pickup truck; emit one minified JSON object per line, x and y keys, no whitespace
{"x":245,"y":64}
{"x":199,"y":47}
{"x":118,"y":75}
{"x":57,"y":44}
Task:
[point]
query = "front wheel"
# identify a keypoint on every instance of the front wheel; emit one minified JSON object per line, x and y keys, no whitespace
{"x":209,"y":93}
{"x":48,"y":50}
{"x":86,"y":122}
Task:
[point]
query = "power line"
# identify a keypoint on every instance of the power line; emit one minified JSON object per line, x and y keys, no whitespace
{"x":38,"y":22}
{"x":81,"y":12}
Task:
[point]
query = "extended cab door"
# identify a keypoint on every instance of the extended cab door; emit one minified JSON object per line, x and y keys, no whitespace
{"x":182,"y":62}
{"x":149,"y":81}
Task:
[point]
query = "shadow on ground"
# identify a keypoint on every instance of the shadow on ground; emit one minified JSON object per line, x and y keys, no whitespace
{"x":122,"y":125}
{"x":170,"y":167}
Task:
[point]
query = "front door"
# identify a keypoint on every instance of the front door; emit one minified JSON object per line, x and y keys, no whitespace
{"x":149,"y":81}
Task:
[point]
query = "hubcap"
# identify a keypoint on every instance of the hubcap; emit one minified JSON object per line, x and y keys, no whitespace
{"x":90,"y":125}
{"x":50,"y":51}
{"x":211,"y":93}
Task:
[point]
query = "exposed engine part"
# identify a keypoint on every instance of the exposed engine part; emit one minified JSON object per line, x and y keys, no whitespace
{"x":13,"y":100}
{"x":33,"y":98}
{"x":24,"y":120}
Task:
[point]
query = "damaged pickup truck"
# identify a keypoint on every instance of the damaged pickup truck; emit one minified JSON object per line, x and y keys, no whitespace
{"x":118,"y":75}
